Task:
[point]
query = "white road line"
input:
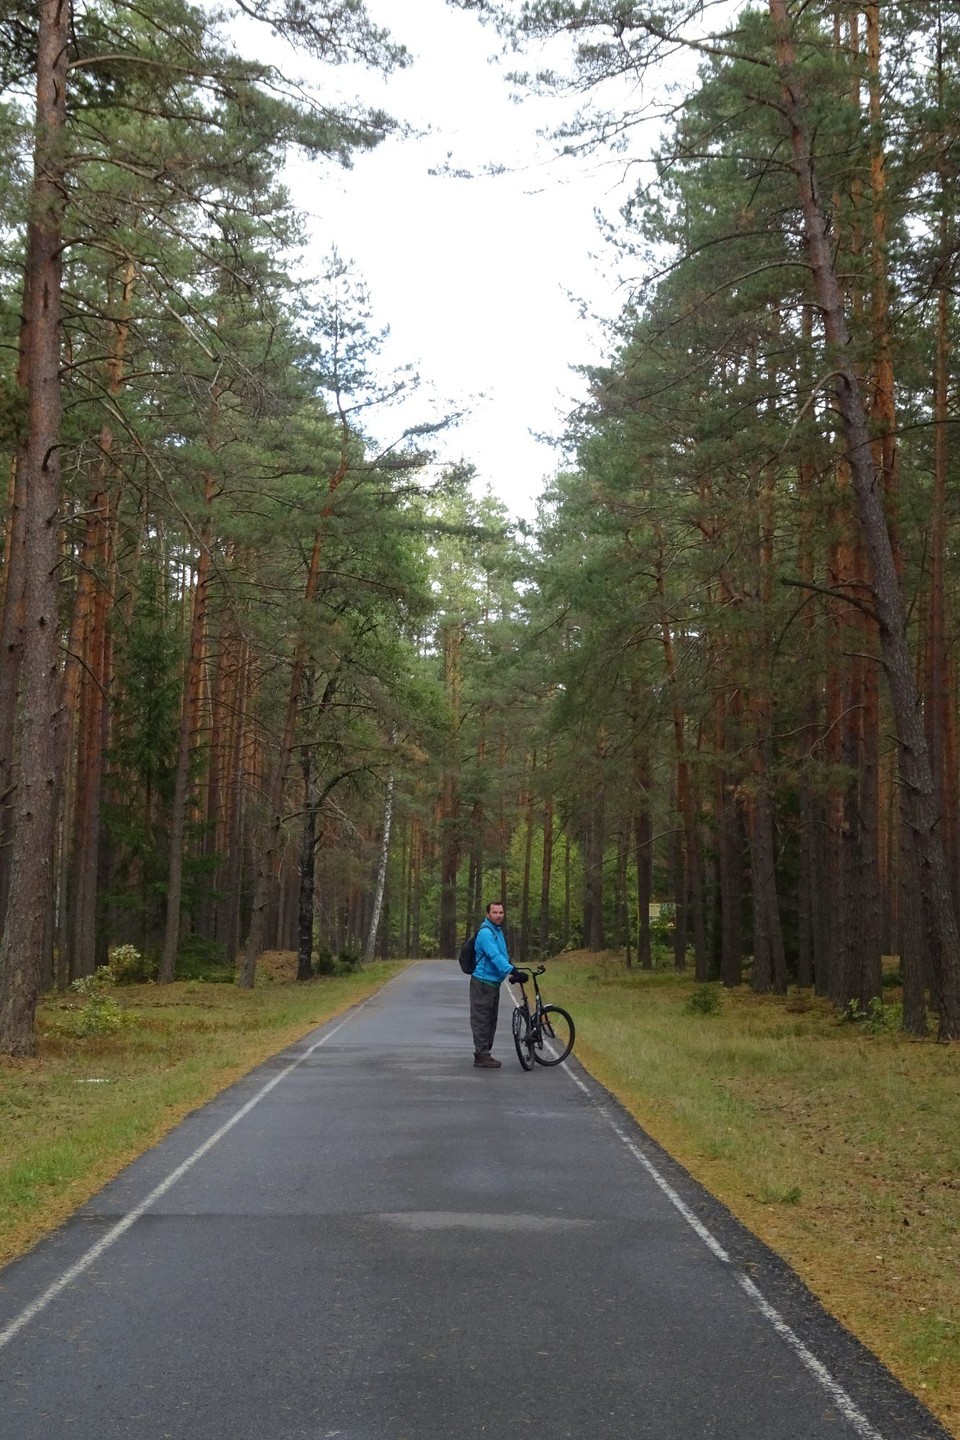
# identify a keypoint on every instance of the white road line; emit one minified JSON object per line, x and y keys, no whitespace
{"x":31,"y":1311}
{"x":854,"y":1417}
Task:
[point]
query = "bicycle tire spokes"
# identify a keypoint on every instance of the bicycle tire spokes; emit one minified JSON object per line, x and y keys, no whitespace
{"x":556,"y":1033}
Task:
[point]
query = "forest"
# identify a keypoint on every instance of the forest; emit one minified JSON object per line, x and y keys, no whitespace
{"x":266,"y":686}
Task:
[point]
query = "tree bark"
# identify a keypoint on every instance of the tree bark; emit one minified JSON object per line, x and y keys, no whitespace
{"x":594,"y":844}
{"x":450,"y":796}
{"x":527,"y":861}
{"x":27,"y":921}
{"x":690,"y":902}
{"x":546,"y":875}
{"x":12,"y":627}
{"x":370,"y":947}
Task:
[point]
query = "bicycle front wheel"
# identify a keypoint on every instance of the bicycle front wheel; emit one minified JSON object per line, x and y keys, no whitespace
{"x":558,"y":1032}
{"x":522,"y":1038}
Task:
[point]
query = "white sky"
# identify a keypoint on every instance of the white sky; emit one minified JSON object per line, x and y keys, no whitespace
{"x":470,"y":275}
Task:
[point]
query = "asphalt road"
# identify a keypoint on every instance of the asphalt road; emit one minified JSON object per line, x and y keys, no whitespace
{"x":367,"y":1239}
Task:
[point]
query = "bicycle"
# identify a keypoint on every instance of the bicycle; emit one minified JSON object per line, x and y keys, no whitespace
{"x":545,"y":1034}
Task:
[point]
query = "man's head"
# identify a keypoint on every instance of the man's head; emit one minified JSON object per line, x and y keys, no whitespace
{"x":495,"y":912}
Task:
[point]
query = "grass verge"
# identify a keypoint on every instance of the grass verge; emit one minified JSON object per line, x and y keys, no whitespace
{"x":837,"y":1143}
{"x":74,"y":1116}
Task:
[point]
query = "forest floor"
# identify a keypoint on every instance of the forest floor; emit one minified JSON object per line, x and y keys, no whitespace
{"x":836,"y":1142}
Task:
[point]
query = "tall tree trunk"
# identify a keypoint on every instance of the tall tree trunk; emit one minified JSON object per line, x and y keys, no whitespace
{"x":681,"y":909}
{"x":939,"y":709}
{"x":812,"y":930}
{"x":546,"y":874}
{"x":238,"y":764}
{"x":12,"y":621}
{"x":868,"y":969}
{"x":527,"y":861}
{"x":769,"y":964}
{"x":450,"y":795}
{"x":189,"y":726}
{"x":308,"y":852}
{"x":27,"y":921}
{"x":369,"y":948}
{"x":624,"y":937}
{"x":730,"y":853}
{"x":223,"y":724}
{"x":566,"y":891}
{"x":690,"y":902}
{"x":643,"y":839}
{"x":920,"y":800}
{"x":416,"y":886}
{"x":594,"y":844}
{"x":93,"y":721}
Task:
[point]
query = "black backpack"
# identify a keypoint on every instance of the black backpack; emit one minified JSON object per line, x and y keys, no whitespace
{"x":468,"y":955}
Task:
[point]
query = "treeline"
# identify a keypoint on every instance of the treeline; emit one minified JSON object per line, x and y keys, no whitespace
{"x":264,"y":686}
{"x":748,"y":569}
{"x":233,"y":628}
{"x":215,"y":590}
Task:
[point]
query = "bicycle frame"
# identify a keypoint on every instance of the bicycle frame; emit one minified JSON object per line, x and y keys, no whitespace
{"x":533,"y":1032}
{"x":533,"y":1016}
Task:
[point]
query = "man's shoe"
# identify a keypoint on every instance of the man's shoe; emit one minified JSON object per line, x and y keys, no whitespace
{"x":486,"y":1062}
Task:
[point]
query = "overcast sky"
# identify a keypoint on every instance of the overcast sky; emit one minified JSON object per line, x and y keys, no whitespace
{"x":471,"y":275}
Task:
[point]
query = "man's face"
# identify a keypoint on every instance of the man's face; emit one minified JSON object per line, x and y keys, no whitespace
{"x":496,"y":914}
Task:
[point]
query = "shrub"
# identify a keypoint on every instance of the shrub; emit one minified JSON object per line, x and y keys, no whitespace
{"x":877,"y":1018}
{"x":326,"y":965}
{"x":705,"y":1000}
{"x":203,"y":959}
{"x":129,"y":967}
{"x":99,"y":1014}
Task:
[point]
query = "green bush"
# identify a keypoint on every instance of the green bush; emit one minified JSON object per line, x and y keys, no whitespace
{"x":325,"y":964}
{"x":100,"y":1014}
{"x":129,"y":967}
{"x":877,"y":1018}
{"x":705,"y":1000}
{"x":203,"y":959}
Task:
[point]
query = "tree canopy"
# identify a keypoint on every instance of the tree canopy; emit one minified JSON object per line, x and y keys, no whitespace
{"x":268,"y":686}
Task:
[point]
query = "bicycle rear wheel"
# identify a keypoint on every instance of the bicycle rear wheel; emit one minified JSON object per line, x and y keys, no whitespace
{"x":522,"y":1038}
{"x":558,"y":1032}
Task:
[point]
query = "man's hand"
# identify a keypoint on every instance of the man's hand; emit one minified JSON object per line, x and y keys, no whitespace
{"x":519,"y":977}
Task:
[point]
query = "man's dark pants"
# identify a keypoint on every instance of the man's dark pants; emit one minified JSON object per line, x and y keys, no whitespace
{"x":484,"y":1009}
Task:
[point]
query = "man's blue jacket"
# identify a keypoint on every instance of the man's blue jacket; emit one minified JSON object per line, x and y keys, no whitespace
{"x":493,"y":963}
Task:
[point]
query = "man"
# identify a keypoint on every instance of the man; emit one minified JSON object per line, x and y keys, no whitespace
{"x":492,"y":968}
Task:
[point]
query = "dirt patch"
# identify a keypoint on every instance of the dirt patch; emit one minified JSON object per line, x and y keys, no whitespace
{"x":277,"y":965}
